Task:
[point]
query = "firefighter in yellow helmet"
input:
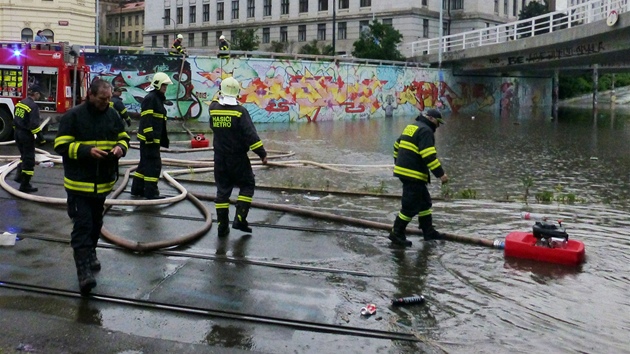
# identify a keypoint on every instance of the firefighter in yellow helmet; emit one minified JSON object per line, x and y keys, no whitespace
{"x":176,"y":48}
{"x":234,"y":135}
{"x":151,"y":134}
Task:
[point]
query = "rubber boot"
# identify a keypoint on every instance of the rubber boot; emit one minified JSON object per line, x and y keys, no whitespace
{"x":95,"y":264}
{"x":240,"y":219}
{"x":397,"y":235}
{"x":18,"y":173}
{"x":137,"y":187}
{"x":25,"y":185}
{"x":223,"y":219}
{"x":84,"y":273}
{"x":428,"y":231}
{"x":151,"y":191}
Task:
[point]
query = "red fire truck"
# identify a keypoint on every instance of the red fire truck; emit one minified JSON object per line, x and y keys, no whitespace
{"x":58,"y":68}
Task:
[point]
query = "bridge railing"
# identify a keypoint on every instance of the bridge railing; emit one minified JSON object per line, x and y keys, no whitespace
{"x":588,"y":12}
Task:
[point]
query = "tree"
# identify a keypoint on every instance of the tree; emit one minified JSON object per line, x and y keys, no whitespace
{"x":533,"y":9}
{"x":378,"y":42}
{"x":245,"y":40}
{"x":314,"y":49}
{"x":278,"y":47}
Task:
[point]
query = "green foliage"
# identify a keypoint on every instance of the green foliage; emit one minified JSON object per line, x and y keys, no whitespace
{"x":545,"y":196}
{"x":446,"y":191}
{"x":114,"y":42}
{"x":314,"y":49}
{"x":278,"y":47}
{"x":245,"y":40}
{"x":379,"y":42}
{"x":468,"y":194}
{"x":528,"y":182}
{"x":533,"y":9}
{"x":572,"y":85}
{"x":375,"y":190}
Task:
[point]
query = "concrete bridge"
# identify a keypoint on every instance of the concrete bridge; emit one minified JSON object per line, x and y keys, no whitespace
{"x":594,"y":35}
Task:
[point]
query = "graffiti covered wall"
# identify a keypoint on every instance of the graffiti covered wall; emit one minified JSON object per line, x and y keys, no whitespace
{"x":275,"y":90}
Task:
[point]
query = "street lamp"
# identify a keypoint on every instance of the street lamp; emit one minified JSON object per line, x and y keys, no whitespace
{"x":174,"y":24}
{"x":334,"y":41}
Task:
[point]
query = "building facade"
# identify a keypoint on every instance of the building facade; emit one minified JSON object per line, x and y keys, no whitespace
{"x":124,"y":23}
{"x":297,"y":22}
{"x":61,"y":20}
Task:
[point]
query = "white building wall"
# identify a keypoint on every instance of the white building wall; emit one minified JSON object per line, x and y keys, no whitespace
{"x":38,"y":14}
{"x":407,"y":17}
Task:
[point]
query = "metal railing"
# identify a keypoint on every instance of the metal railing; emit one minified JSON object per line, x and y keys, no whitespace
{"x":588,"y":12}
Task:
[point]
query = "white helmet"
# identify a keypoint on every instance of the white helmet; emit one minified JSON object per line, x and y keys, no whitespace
{"x":230,"y":88}
{"x":179,"y":36}
{"x":222,"y":37}
{"x":160,"y":79}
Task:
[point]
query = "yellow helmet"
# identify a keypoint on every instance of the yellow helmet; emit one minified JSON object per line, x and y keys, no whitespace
{"x":230,"y":87}
{"x":160,"y":79}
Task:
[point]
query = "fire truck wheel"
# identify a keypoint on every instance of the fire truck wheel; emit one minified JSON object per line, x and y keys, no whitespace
{"x":6,"y":124}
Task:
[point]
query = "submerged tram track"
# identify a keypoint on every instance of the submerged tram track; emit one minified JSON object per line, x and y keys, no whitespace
{"x":231,"y":315}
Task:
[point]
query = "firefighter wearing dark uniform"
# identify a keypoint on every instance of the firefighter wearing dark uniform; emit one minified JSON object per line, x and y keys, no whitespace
{"x":151,"y":134}
{"x":223,"y":46}
{"x":415,"y":156}
{"x":119,"y":106}
{"x":234,"y":135}
{"x":26,"y":121}
{"x":91,"y":138}
{"x":176,"y":47}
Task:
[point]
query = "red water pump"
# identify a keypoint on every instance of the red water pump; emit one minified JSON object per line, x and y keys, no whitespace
{"x":199,"y":141}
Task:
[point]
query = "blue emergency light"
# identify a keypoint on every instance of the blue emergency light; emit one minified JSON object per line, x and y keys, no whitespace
{"x":17,"y":53}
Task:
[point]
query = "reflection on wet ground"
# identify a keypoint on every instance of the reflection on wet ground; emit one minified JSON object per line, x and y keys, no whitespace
{"x":477,"y":301}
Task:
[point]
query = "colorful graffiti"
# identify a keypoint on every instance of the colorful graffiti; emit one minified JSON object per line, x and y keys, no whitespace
{"x":294,"y":90}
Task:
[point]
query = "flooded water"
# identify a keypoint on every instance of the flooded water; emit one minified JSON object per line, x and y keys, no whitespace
{"x":575,"y":168}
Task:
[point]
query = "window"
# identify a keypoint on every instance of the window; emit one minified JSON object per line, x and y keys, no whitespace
{"x":266,"y":35}
{"x":180,"y":15}
{"x":204,"y":39}
{"x":136,"y":36}
{"x":321,"y":32}
{"x":322,"y":5}
{"x":387,"y":22}
{"x":122,"y":35}
{"x":342,"y":30}
{"x":129,"y":20}
{"x":251,"y":9}
{"x":116,"y":22}
{"x":367,"y":3}
{"x":27,"y":35}
{"x":284,"y":35}
{"x":219,"y":11}
{"x":424,"y":3}
{"x":505,"y":7}
{"x":49,"y":34}
{"x":364,"y":26}
{"x":496,"y":6}
{"x":191,"y":39}
{"x":122,"y":22}
{"x":153,"y":41}
{"x":235,"y":9}
{"x":515,"y":9}
{"x":425,"y":28}
{"x":457,"y":4}
{"x":284,"y":7}
{"x":165,"y":41}
{"x":219,"y":34}
{"x":129,"y":35}
{"x":137,"y":20}
{"x":192,"y":14}
{"x":303,"y":6}
{"x":267,"y":8}
{"x":206,"y":12}
{"x":302,"y":33}
{"x":344,"y":4}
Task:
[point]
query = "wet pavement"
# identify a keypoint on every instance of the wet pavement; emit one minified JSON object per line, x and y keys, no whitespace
{"x":261,"y":292}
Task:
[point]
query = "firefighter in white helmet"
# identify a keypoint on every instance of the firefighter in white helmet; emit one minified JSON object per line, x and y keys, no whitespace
{"x":152,"y":134}
{"x":176,"y":48}
{"x":224,"y":46}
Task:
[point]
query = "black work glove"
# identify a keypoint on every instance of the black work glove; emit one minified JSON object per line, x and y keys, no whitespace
{"x":128,"y":121}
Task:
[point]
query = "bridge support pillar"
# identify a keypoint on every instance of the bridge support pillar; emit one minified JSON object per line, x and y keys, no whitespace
{"x":556,"y":94}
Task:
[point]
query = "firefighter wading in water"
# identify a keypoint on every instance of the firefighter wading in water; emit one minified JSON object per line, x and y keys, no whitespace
{"x":414,"y":157}
{"x":26,"y":121}
{"x":234,"y":135}
{"x":151,"y":134}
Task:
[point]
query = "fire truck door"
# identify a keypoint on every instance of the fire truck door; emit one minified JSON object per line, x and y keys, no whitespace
{"x":48,"y":79}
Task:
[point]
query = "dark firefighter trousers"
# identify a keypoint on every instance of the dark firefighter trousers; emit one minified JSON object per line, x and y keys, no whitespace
{"x":26,"y":144}
{"x":415,"y":198}
{"x":149,"y":168}
{"x":231,"y":171}
{"x":87,"y":215}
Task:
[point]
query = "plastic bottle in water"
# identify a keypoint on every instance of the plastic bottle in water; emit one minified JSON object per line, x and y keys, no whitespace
{"x":408,"y":300}
{"x":532,"y":216}
{"x":47,"y":164}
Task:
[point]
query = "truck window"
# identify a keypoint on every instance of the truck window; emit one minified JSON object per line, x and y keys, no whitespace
{"x":46,"y":78}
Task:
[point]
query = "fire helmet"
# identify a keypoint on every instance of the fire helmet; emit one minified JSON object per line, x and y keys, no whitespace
{"x":160,"y":79}
{"x":179,"y":36}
